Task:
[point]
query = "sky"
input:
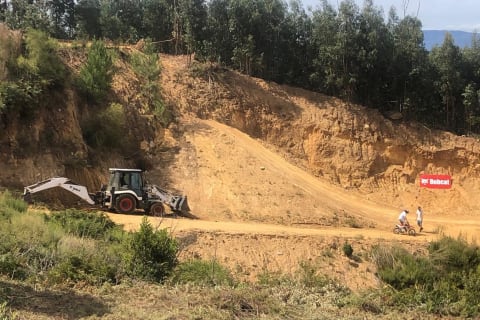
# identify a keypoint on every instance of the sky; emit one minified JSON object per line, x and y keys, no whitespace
{"x":463,"y":15}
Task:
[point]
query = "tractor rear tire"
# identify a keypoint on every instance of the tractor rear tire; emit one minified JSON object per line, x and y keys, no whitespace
{"x":125,"y":204}
{"x":157,"y":209}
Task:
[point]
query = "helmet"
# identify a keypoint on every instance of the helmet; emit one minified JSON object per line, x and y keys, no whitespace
{"x":406,"y":211}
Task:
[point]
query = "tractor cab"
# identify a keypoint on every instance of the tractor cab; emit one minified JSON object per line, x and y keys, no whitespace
{"x":126,"y":179}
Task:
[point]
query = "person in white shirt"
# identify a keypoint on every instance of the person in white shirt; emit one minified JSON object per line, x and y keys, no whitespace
{"x":420,"y":218}
{"x":402,"y":218}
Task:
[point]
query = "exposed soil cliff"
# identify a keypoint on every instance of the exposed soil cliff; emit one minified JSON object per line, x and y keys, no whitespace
{"x":348,"y":145}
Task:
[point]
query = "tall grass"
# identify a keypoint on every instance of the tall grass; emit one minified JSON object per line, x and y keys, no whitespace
{"x":73,"y":246}
{"x":444,"y":282}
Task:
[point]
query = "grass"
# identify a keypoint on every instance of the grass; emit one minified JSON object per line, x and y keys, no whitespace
{"x":79,"y":273}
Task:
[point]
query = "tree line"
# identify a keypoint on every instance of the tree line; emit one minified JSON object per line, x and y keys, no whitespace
{"x":356,"y":53}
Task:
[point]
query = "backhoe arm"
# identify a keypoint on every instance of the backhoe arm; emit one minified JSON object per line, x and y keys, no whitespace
{"x":65,"y":183}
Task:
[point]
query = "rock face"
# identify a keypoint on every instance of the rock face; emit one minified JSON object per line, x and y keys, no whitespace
{"x":349,"y":145}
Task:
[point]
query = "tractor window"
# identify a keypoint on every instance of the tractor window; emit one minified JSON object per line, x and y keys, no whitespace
{"x":136,"y":183}
{"x":124,"y":180}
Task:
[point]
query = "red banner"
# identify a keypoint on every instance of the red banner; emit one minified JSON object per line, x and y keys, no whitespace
{"x":436,"y":181}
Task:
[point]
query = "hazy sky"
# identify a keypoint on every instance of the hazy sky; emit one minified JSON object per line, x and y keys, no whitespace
{"x":435,"y":14}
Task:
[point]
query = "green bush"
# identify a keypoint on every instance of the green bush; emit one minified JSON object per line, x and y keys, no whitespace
{"x":202,"y":272}
{"x":347,"y":249}
{"x":454,"y":254}
{"x":20,"y":96}
{"x":147,"y":68}
{"x":10,"y":205}
{"x":151,"y":253}
{"x":30,"y":73}
{"x":86,"y":260}
{"x":83,"y":224}
{"x":27,"y":245}
{"x":107,"y":129}
{"x":41,"y":60}
{"x":309,"y":277}
{"x":96,"y":74}
{"x":268,"y":278}
{"x":444,"y":282}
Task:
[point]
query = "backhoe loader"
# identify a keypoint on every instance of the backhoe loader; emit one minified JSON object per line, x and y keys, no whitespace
{"x":126,"y":192}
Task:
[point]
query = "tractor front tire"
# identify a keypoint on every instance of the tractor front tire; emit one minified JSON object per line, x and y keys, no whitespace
{"x":157,"y":209}
{"x":125,"y":204}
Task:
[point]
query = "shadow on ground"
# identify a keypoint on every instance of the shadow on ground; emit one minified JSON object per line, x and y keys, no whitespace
{"x":58,"y":304}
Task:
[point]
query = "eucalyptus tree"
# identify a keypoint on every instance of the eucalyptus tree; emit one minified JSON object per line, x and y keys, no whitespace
{"x":244,"y":18}
{"x":324,"y":33}
{"x":3,"y":9}
{"x":447,"y":61}
{"x":345,"y":58}
{"x":157,"y":22}
{"x":271,"y":32}
{"x":24,"y":14}
{"x":122,"y":19}
{"x":410,"y":71}
{"x":193,"y":20}
{"x":87,"y":15}
{"x":219,"y":45}
{"x":472,"y":107}
{"x":62,"y":15}
{"x":375,"y":44}
{"x":294,"y":49}
{"x":471,"y":93}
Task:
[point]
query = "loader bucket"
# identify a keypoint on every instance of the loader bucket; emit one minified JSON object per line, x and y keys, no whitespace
{"x":182,"y":204}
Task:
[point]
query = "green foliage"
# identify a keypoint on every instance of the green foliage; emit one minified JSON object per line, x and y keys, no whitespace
{"x":200,"y":272}
{"x":5,"y":312}
{"x":106,"y":129}
{"x":152,"y":253}
{"x":27,"y":244}
{"x":10,"y":203}
{"x":341,"y":50}
{"x":347,"y":249}
{"x":445,"y":282}
{"x":29,"y":74}
{"x":96,"y":74}
{"x":41,"y":61}
{"x":308,"y":276}
{"x":147,"y":68}
{"x":20,"y":95}
{"x":86,"y":260}
{"x":74,"y":246}
{"x":83,"y":224}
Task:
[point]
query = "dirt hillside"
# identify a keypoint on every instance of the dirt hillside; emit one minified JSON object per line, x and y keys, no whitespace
{"x":275,"y":176}
{"x":278,"y":176}
{"x":348,"y":146}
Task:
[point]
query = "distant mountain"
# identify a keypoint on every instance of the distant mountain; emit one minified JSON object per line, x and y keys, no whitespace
{"x":433,"y":38}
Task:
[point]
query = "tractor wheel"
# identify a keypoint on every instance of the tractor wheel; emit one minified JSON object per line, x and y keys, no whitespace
{"x":157,"y":209}
{"x":125,"y":203}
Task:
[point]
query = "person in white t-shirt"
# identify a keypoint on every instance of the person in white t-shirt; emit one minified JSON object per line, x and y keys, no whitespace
{"x":402,"y":218}
{"x":420,"y":218}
